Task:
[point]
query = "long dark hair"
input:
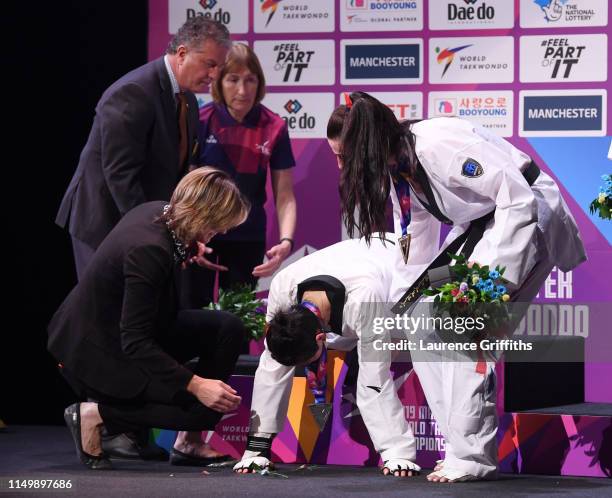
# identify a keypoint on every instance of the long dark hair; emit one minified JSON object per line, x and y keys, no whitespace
{"x":370,"y":136}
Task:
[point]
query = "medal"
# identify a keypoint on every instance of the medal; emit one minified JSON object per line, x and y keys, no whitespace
{"x":320,"y":412}
{"x":404,"y":242}
{"x":402,"y":190}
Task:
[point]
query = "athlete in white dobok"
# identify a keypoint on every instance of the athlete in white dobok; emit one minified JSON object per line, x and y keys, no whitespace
{"x":327,"y":300}
{"x":512,"y":214}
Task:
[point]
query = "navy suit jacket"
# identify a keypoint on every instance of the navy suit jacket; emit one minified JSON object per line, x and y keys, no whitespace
{"x":131,"y":155}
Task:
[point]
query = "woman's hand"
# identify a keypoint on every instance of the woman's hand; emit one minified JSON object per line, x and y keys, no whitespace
{"x":276,"y":255}
{"x":214,"y":394}
{"x":200,"y":260}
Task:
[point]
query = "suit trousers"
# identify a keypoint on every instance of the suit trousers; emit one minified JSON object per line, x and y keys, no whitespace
{"x":82,"y":256}
{"x":214,"y":337}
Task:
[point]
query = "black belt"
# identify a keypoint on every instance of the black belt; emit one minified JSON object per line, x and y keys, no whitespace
{"x":439,"y":272}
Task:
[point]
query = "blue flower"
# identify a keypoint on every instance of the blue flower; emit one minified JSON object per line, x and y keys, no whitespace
{"x":489,"y":285}
{"x":496,"y":295}
{"x":494,"y":274}
{"x":501,"y":289}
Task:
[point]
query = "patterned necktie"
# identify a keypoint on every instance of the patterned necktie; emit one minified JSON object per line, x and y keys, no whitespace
{"x":182,"y":126}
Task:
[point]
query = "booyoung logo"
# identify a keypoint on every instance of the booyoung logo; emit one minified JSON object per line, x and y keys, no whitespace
{"x":232,"y":13}
{"x":466,"y":14}
{"x":301,"y":62}
{"x":471,"y":60}
{"x":381,"y":61}
{"x":356,"y":4}
{"x":444,"y":107}
{"x":294,"y":16}
{"x":560,"y":113}
{"x":490,"y":109}
{"x":563,"y":13}
{"x":306,"y":114}
{"x":563,"y":58}
{"x":381,"y":15}
{"x":405,"y":105}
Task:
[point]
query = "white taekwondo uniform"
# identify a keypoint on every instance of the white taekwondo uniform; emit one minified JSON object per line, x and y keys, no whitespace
{"x":532,"y":231}
{"x":366,"y":275}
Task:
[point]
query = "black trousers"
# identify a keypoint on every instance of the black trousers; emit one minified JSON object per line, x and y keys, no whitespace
{"x":214,"y":337}
{"x":240,"y":257}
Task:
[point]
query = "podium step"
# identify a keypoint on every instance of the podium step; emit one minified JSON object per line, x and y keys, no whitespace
{"x":588,"y":409}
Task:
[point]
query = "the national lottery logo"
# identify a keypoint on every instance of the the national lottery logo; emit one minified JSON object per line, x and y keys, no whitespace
{"x":552,"y":9}
{"x":558,"y":13}
{"x":291,"y":60}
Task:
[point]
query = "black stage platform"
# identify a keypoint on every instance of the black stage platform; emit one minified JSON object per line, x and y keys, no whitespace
{"x":35,"y":452}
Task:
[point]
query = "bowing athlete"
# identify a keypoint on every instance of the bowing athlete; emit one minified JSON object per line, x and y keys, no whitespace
{"x":504,"y":211}
{"x":327,"y":300}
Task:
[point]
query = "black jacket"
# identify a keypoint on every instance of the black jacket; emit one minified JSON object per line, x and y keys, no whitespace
{"x":108,"y":331}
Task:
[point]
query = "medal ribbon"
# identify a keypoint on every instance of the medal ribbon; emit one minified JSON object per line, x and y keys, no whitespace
{"x":402,"y":189}
{"x":316,"y":372}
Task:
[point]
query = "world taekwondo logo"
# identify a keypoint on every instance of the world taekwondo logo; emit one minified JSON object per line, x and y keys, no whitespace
{"x":208,"y":4}
{"x":447,"y":55}
{"x":270,"y":5}
{"x":293,"y":106}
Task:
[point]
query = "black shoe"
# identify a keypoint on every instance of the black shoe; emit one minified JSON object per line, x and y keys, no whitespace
{"x":72,"y":416}
{"x":132,"y":446}
{"x":179,"y":458}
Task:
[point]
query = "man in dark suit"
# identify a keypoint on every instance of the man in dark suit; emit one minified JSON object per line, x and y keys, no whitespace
{"x":120,"y":338}
{"x":140,"y":145}
{"x":143,"y":136}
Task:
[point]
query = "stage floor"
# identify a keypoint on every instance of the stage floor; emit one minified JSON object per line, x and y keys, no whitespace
{"x":35,"y":452}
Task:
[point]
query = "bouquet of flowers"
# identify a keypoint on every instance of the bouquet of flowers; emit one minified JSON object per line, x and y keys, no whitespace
{"x":477,"y":292}
{"x":242,"y":302}
{"x":603,"y":203}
